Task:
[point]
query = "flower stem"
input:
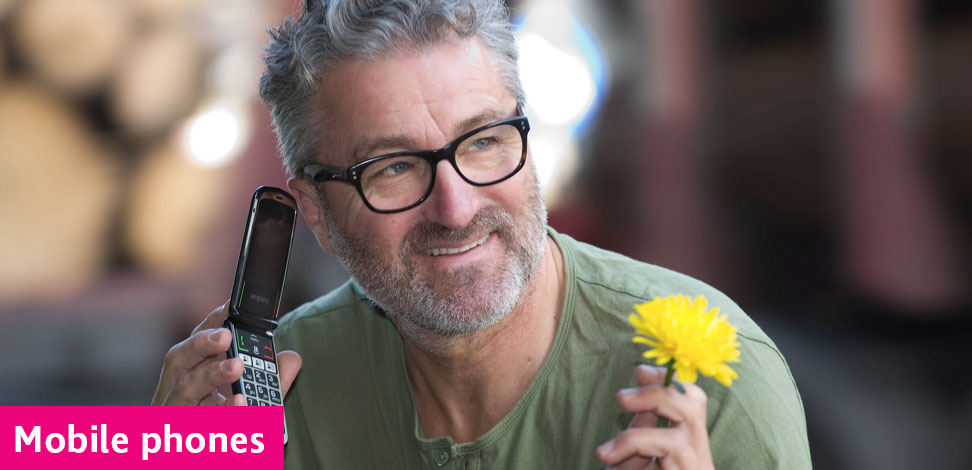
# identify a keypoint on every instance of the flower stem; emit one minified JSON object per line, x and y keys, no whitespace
{"x":664,"y":422}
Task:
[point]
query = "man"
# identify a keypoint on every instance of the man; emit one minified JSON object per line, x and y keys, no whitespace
{"x":471,"y":336}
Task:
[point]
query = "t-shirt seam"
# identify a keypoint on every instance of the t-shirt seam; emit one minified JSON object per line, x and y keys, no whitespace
{"x":612,"y":289}
{"x":789,"y":373}
{"x":779,"y":355}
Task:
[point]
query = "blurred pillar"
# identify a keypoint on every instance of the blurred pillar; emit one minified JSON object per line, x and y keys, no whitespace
{"x":898,"y":245}
{"x":674,"y":224}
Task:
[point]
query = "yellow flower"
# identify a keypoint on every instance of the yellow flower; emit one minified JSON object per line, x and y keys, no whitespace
{"x":679,"y":328}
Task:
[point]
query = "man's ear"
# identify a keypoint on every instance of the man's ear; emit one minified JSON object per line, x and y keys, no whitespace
{"x":310,"y":207}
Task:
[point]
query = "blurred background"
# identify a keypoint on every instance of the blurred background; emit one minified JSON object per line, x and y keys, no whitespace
{"x":813,"y":160}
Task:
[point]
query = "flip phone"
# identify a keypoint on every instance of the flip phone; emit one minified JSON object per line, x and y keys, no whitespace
{"x":260,"y":275}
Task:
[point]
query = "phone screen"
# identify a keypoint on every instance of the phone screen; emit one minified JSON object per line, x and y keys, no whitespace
{"x":266,"y":261}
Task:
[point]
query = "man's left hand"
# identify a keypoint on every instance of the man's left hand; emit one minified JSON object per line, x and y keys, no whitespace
{"x":683,"y":446}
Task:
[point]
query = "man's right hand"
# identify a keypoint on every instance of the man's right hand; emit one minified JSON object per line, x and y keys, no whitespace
{"x":197,"y":372}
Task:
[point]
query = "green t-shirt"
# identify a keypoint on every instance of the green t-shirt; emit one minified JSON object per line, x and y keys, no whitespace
{"x":351,"y":406}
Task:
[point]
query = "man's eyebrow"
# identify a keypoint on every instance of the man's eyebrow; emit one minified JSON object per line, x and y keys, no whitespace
{"x":368,"y":148}
{"x":485,"y":117}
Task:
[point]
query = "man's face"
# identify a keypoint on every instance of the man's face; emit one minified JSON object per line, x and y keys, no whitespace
{"x":459,"y":261}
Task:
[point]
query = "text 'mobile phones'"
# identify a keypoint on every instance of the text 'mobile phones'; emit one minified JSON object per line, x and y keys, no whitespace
{"x":254,"y":304}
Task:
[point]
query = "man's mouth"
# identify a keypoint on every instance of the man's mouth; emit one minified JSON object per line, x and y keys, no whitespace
{"x":452,"y":251}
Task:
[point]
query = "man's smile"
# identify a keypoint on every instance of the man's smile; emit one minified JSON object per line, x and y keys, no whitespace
{"x":452,"y":251}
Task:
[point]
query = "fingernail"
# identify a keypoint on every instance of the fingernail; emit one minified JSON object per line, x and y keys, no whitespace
{"x":214,"y":336}
{"x":606,"y":448}
{"x":627,"y":392}
{"x":649,"y":369}
{"x":225,"y":365}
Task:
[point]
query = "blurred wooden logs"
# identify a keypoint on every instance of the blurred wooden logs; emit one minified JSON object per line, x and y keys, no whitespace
{"x":158,"y":81}
{"x":3,"y":60}
{"x":57,"y":187}
{"x":70,"y":44}
{"x":171,"y":209}
{"x":159,"y":11}
{"x":130,"y":70}
{"x":5,"y":7}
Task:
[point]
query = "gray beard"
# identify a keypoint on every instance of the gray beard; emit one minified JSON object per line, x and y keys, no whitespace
{"x":425,"y":307}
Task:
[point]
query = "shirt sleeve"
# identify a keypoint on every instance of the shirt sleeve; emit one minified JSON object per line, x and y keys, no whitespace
{"x":758,"y":422}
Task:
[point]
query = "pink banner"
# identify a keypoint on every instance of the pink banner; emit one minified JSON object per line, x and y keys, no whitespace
{"x":141,"y":437}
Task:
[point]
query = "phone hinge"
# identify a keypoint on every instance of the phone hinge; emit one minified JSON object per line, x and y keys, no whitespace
{"x":259,"y":323}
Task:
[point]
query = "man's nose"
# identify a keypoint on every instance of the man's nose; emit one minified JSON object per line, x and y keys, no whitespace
{"x":453,"y":201}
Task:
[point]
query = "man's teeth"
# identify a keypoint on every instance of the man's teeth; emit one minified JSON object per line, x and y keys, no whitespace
{"x":452,"y":251}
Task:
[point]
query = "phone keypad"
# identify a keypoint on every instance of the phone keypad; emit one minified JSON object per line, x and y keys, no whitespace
{"x":260,"y":383}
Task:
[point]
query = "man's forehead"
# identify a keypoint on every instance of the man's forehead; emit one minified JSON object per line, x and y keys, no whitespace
{"x":409,"y":98}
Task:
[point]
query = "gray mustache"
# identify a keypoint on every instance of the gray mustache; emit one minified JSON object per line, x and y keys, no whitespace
{"x":430,"y":234}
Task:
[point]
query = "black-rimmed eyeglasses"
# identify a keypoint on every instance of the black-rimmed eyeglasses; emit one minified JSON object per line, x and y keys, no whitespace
{"x":402,"y":180}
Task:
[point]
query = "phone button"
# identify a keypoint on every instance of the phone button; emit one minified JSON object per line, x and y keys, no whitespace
{"x":272,"y":381}
{"x":247,"y":373}
{"x":249,"y":389}
{"x":246,"y":360}
{"x":252,"y":402}
{"x":271,"y":367}
{"x":263,"y":393}
{"x":275,"y":396}
{"x":261,"y":377}
{"x":258,"y":363}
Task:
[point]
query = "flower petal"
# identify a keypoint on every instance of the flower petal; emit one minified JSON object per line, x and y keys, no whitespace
{"x":680,"y":328}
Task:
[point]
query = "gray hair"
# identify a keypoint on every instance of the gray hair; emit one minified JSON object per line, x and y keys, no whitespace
{"x":301,"y":50}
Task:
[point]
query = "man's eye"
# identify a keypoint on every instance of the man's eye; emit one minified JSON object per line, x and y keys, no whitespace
{"x":396,"y":168}
{"x":481,"y":143}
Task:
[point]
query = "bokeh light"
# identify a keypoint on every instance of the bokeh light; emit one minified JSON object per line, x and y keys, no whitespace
{"x":215,"y":136}
{"x":563,"y":75}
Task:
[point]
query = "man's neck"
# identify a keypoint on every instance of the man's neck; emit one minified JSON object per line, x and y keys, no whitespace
{"x":467,"y":386}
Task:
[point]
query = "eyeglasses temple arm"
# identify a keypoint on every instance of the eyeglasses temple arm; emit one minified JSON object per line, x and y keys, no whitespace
{"x":321,"y":173}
